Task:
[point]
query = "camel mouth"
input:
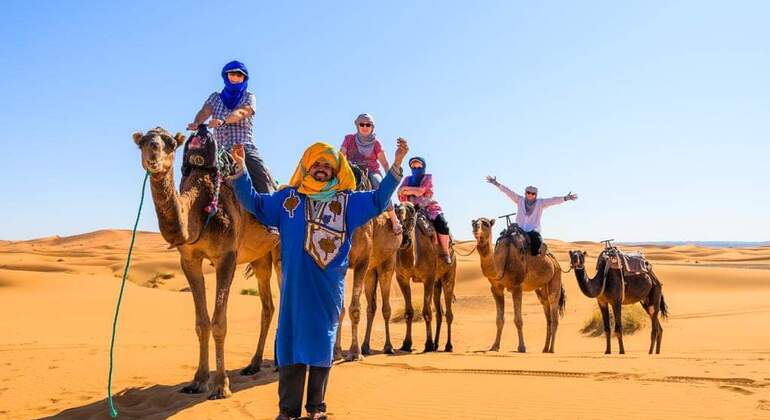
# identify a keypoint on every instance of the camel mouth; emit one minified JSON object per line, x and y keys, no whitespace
{"x":152,"y":166}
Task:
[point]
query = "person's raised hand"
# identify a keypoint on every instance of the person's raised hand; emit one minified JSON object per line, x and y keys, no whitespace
{"x":492,"y":180}
{"x":570,"y":197}
{"x":402,"y":148}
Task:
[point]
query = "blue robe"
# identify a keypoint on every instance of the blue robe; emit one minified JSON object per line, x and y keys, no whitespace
{"x":315,"y":242}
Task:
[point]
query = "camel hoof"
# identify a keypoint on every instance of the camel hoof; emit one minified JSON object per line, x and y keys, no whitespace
{"x":249,"y":370}
{"x":429,"y":347}
{"x":220,"y":392}
{"x":494,"y":348}
{"x":365,"y":350}
{"x":354,"y":357}
{"x":337,"y":354}
{"x":448,"y":348}
{"x":607,"y":352}
{"x":522,"y":349}
{"x":407,"y":346}
{"x":388,"y":350}
{"x":195,"y":388}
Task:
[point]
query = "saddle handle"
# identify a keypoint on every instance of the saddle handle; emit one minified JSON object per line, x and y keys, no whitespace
{"x":507,"y":218}
{"x":607,"y":243}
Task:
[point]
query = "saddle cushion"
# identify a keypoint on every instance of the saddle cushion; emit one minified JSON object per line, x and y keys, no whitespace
{"x":629,"y":262}
{"x":519,"y":238}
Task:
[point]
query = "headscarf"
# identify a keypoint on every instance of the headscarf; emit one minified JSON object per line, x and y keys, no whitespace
{"x":365,"y":145}
{"x":233,"y":92}
{"x":344,"y":179}
{"x":417,"y":173}
{"x":529,"y":204}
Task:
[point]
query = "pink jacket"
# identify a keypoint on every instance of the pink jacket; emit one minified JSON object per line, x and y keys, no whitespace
{"x":426,"y":201}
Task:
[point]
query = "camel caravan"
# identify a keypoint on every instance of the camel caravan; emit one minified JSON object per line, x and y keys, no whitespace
{"x":229,"y":210}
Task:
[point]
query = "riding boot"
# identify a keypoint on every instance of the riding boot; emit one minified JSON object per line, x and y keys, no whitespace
{"x":444,"y":241}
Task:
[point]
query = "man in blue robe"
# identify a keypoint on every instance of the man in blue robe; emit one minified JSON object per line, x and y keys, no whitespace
{"x":316,"y":214}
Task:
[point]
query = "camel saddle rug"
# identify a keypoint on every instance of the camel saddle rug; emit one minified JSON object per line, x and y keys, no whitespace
{"x":629,"y":262}
{"x":520,"y":239}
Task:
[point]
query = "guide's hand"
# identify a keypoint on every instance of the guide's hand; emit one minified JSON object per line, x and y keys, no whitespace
{"x":402,"y":148}
{"x":239,"y":157}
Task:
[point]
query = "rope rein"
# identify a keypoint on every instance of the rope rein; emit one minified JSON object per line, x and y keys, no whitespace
{"x":113,"y":411}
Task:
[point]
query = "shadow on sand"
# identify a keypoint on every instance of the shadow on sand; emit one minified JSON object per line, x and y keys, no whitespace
{"x":163,"y":401}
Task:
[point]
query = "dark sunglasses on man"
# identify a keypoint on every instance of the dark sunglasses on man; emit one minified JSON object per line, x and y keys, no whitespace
{"x":364,"y":124}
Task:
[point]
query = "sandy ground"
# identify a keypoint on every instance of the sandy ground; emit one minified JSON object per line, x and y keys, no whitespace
{"x":57,"y":297}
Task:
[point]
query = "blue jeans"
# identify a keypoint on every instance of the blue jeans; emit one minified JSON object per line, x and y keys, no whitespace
{"x":261,"y":178}
{"x":375,"y":179}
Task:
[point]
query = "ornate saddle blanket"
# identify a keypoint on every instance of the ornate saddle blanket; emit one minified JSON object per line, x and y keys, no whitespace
{"x":629,"y":262}
{"x":520,"y":239}
{"x":362,"y":178}
{"x":201,"y":151}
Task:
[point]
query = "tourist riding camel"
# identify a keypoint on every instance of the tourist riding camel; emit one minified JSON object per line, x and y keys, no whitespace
{"x":232,"y":116}
{"x":364,"y":150}
{"x":316,"y":214}
{"x":530,"y":210}
{"x":418,"y":190}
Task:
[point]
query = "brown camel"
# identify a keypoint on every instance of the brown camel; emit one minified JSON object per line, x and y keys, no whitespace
{"x":419,"y":260}
{"x":232,"y":237}
{"x":610,"y":286}
{"x":506,"y":267}
{"x":373,"y":260}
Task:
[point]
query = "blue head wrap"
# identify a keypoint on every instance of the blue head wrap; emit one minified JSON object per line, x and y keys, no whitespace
{"x":232,"y":93}
{"x":417,"y":173}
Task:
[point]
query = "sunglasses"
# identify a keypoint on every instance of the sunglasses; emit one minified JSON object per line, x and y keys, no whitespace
{"x":365,"y":125}
{"x":531,"y":193}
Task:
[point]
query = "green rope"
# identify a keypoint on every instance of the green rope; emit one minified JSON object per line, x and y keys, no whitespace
{"x":113,"y":411}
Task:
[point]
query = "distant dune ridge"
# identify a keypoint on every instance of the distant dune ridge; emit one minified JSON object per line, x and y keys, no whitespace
{"x":60,"y":292}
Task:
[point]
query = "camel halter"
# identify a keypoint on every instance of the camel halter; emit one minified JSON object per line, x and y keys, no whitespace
{"x":113,"y":411}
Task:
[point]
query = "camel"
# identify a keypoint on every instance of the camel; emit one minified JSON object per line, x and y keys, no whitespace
{"x":612,"y":287}
{"x":232,"y":237}
{"x":507,"y":267}
{"x":373,"y":260}
{"x":419,"y":260}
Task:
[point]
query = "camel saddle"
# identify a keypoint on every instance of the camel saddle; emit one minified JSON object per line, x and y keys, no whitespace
{"x":633,"y":263}
{"x":519,"y":238}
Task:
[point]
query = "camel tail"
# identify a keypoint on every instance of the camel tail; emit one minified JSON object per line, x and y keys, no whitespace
{"x":663,"y":307}
{"x":562,"y":302}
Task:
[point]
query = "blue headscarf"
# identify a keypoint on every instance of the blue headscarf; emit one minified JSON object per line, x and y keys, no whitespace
{"x":232,"y":93}
{"x":417,"y":173}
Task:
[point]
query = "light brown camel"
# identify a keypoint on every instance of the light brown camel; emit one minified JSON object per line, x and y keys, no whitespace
{"x":612,"y":287}
{"x":419,"y":260}
{"x":507,"y":268}
{"x":373,"y":259}
{"x":233,"y":236}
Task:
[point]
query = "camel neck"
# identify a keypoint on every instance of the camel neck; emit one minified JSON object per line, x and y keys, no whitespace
{"x":168,"y":208}
{"x":488,"y":264}
{"x":590,"y":287}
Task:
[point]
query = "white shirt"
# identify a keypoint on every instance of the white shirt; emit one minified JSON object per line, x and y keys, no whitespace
{"x":529,"y":222}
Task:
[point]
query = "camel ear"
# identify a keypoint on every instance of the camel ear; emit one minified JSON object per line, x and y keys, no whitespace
{"x":491,"y":222}
{"x":179,"y":137}
{"x":585,"y":253}
{"x":137,"y":137}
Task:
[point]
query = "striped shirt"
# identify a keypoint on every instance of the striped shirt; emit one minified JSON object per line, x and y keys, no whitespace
{"x":229,"y":134}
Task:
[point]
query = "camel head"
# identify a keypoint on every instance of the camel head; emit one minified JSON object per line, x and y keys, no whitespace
{"x":407,"y":215}
{"x":158,"y":147}
{"x":482,"y":230}
{"x":577,"y":259}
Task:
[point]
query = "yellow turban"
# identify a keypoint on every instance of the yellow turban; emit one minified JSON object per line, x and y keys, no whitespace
{"x":320,"y":190}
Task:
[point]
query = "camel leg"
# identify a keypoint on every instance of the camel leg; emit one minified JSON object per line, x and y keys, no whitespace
{"x":650,"y":309}
{"x":498,"y":294}
{"x":518,"y":318}
{"x":193,"y":271}
{"x":617,"y":310}
{"x":225,"y":270}
{"x":338,"y":342}
{"x":355,"y":311}
{"x":406,"y":291}
{"x":448,"y":286}
{"x":386,"y":278}
{"x":370,"y":291}
{"x":604,"y":309}
{"x":262,"y":271}
{"x":543,"y":298}
{"x":427,"y":313}
{"x":553,"y":306}
{"x":439,"y":312}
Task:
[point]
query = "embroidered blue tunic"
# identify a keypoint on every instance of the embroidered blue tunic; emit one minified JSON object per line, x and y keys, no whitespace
{"x":315,"y":242}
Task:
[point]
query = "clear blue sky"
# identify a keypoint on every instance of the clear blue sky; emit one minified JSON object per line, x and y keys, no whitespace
{"x":656,"y":113}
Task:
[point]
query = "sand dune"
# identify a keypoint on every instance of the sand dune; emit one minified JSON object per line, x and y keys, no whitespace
{"x":58,"y":296}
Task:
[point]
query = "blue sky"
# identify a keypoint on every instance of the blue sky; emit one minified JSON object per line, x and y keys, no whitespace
{"x":656,"y":113}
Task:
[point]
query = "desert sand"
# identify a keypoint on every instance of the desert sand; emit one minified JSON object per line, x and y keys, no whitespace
{"x":57,"y":297}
